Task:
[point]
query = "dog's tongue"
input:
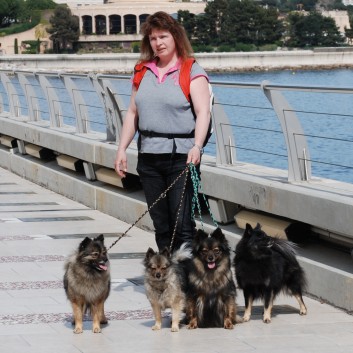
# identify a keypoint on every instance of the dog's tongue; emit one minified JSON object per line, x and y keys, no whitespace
{"x":103,"y":267}
{"x":211,"y":265}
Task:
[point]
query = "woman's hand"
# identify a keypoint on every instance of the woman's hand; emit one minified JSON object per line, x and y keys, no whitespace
{"x":194,"y":155}
{"x":120,"y":163}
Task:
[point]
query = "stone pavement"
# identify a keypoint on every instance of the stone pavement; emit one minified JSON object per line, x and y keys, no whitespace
{"x":40,"y":228}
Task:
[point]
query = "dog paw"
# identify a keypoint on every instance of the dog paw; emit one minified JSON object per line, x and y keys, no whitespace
{"x":175,"y":329}
{"x":303,"y":311}
{"x":228,"y":325}
{"x":239,"y":319}
{"x":78,"y":330}
{"x":156,"y":327}
{"x":267,"y":320}
{"x":246,"y":318}
{"x":97,"y":330}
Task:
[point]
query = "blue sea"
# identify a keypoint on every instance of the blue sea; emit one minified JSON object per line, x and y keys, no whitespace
{"x":326,"y":118}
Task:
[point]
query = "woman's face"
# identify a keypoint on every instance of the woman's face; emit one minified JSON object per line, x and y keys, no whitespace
{"x":162,"y":44}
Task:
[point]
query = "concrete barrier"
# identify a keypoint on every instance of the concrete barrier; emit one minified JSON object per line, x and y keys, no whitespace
{"x":124,"y":63}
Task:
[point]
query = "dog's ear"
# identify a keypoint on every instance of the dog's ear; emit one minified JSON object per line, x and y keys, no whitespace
{"x":218,"y":234}
{"x":200,"y":235}
{"x":165,"y":252}
{"x":248,"y":229}
{"x":258,"y":226}
{"x":84,"y":244}
{"x":199,"y":238}
{"x":149,"y":253}
{"x":100,"y":238}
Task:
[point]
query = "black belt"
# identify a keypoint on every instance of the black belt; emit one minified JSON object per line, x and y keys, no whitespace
{"x":167,"y":135}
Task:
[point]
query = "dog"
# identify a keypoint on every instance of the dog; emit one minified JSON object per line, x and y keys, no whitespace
{"x":211,"y":288}
{"x":87,"y":282}
{"x":265,"y":266}
{"x":165,"y":282}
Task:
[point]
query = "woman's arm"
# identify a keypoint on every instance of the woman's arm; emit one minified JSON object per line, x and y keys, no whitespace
{"x":127,"y":134}
{"x":200,"y":96}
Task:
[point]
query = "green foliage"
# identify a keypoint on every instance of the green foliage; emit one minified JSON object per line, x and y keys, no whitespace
{"x":268,"y":47}
{"x":40,"y":4}
{"x":291,"y":5}
{"x":136,"y":47}
{"x":18,"y":28}
{"x":22,"y":11}
{"x":202,"y":48}
{"x":64,"y":29}
{"x":245,"y":47}
{"x":227,"y":22}
{"x":313,"y":30}
{"x":9,"y":11}
{"x":225,"y":48}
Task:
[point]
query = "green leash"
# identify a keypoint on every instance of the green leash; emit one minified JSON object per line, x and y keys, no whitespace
{"x":197,"y":186}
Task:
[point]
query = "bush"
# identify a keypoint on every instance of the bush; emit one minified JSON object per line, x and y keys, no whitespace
{"x":202,"y":48}
{"x":135,"y":47}
{"x":245,"y":47}
{"x":225,"y":48}
{"x":268,"y":47}
{"x":22,"y":27}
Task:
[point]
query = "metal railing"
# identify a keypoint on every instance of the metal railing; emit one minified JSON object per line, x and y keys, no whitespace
{"x":86,"y":104}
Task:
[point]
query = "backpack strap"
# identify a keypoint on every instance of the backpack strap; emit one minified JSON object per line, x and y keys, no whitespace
{"x":139,"y":71}
{"x":184,"y":78}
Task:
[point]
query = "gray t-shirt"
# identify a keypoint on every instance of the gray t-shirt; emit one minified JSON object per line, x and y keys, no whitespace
{"x":163,"y":107}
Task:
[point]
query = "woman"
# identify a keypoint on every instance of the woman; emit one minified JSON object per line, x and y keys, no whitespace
{"x":159,"y":107}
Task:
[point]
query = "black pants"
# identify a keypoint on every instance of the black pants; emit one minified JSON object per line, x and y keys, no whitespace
{"x":157,"y":172}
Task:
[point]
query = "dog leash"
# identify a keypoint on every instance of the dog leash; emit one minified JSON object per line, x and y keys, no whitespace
{"x":163,"y":195}
{"x":196,"y":182}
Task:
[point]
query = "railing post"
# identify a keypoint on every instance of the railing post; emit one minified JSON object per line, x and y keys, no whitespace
{"x":299,"y":165}
{"x":80,"y":105}
{"x":113,"y":104}
{"x":31,"y":97}
{"x":54,"y":104}
{"x":225,"y":141}
{"x":12,"y":95}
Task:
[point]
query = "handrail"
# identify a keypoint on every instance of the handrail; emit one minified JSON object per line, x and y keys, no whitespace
{"x":107,"y":95}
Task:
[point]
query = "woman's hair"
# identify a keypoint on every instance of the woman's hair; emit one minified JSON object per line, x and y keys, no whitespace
{"x":162,"y":21}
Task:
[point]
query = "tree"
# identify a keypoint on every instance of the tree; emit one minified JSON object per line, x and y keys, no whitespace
{"x":64,"y":28}
{"x":228,"y":22}
{"x":40,"y":4}
{"x":349,"y":31}
{"x":313,"y":30}
{"x":9,"y":11}
{"x":188,"y":21}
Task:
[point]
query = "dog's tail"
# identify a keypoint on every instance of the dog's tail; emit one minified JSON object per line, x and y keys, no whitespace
{"x":182,"y":254}
{"x":286,"y":248}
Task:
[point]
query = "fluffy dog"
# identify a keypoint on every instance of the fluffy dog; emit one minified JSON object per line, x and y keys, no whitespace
{"x":87,"y":282}
{"x":265,"y":266}
{"x":211,"y":288}
{"x":165,"y":283}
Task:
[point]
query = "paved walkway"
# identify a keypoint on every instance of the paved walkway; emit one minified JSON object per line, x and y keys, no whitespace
{"x":40,"y":228}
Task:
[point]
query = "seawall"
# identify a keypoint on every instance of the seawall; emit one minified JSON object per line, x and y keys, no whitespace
{"x":240,"y":61}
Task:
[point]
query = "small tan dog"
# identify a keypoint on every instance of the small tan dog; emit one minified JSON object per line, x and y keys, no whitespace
{"x":164,"y":283}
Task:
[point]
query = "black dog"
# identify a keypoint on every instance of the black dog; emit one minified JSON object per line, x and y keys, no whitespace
{"x":265,"y":266}
{"x":211,"y":293}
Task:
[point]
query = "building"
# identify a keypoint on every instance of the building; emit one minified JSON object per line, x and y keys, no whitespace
{"x":120,"y":21}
